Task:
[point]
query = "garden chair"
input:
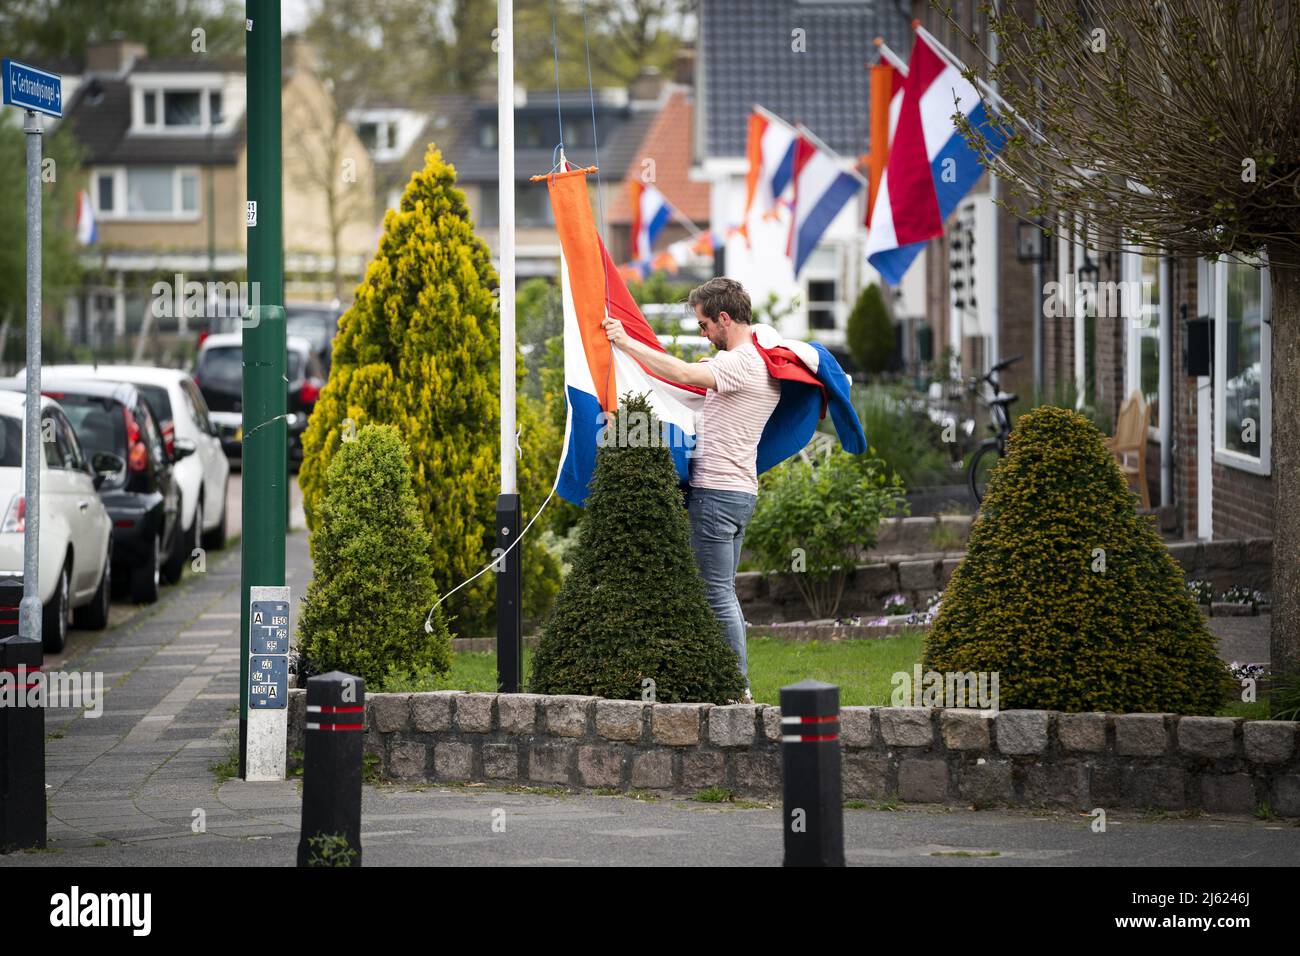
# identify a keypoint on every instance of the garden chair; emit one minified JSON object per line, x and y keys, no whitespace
{"x":1130,"y":439}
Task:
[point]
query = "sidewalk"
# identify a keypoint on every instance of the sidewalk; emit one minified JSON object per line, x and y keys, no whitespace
{"x":128,"y":788}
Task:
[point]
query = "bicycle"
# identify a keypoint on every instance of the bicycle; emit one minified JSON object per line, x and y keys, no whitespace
{"x":990,"y":450}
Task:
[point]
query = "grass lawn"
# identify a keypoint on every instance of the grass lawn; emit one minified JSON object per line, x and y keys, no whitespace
{"x":862,"y":669}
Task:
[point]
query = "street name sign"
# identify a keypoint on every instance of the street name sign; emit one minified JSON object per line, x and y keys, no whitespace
{"x":32,"y":89}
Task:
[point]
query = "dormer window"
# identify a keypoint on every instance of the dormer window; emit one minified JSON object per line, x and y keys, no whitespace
{"x":178,"y":110}
{"x":182,"y":108}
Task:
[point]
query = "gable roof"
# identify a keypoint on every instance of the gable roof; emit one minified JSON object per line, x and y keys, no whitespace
{"x":668,"y":142}
{"x":746,"y":56}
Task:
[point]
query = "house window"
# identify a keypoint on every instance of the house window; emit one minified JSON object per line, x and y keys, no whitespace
{"x":182,"y":108}
{"x":1242,"y":367}
{"x":532,"y":206}
{"x":1142,"y":368}
{"x":104,"y":188}
{"x":148,"y":192}
{"x":179,"y":111}
{"x":821,"y":303}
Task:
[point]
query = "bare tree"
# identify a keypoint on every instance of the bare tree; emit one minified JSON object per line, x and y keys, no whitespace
{"x":1172,"y":124}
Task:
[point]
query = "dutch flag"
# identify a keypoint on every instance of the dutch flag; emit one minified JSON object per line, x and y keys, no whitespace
{"x":930,"y":165}
{"x":650,"y":213}
{"x":87,"y":229}
{"x":822,"y":187}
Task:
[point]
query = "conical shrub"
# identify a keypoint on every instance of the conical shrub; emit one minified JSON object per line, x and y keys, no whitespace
{"x":633,"y":606}
{"x":1070,"y":595}
{"x":372,"y":577}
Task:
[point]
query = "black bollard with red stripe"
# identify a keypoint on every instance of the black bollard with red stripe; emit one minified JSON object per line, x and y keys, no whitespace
{"x":810,"y":774}
{"x":22,"y":745}
{"x":331,"y":785}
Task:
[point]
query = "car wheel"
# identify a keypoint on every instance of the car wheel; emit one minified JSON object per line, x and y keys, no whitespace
{"x":175,"y":563}
{"x":146,"y":577}
{"x":94,"y":616}
{"x":54,"y":622}
{"x":215,"y":539}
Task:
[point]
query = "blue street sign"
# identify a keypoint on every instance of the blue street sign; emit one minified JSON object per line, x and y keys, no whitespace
{"x":32,"y":89}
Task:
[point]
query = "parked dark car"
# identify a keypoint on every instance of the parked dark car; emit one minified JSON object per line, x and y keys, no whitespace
{"x":318,"y":324}
{"x":143,"y":497}
{"x":219,"y":374}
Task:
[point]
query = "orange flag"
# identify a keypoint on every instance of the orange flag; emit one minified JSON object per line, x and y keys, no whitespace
{"x":886,"y":83}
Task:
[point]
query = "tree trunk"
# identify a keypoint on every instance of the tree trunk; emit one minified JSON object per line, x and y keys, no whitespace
{"x":1284,"y":643}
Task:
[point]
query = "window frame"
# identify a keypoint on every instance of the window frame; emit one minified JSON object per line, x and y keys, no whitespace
{"x":204,"y":87}
{"x":1223,"y":455}
{"x":1138,"y":309}
{"x":121,"y":200}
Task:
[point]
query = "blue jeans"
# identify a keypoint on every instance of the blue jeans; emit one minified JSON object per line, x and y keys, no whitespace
{"x":718,"y":521}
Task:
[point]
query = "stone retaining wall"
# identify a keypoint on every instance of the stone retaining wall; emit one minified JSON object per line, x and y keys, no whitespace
{"x":927,"y":755}
{"x":775,"y":597}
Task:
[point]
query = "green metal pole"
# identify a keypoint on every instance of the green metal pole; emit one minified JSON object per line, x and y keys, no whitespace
{"x":265,"y":440}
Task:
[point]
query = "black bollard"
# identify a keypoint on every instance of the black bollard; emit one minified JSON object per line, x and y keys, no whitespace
{"x":813,"y":807}
{"x":331,"y":784}
{"x":22,"y":746}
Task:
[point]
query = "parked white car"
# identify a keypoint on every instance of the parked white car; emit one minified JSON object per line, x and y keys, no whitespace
{"x":182,"y":412}
{"x":75,"y":530}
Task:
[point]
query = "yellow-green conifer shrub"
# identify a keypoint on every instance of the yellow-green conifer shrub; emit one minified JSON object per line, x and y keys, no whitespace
{"x":1068,"y":593}
{"x":418,"y":350}
{"x":372,"y":578}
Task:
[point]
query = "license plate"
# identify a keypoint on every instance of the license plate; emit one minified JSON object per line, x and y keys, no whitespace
{"x":239,"y":433}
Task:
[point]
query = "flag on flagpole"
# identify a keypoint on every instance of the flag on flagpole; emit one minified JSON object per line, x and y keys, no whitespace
{"x":650,"y":213}
{"x":822,"y":186}
{"x":930,"y":165}
{"x":87,"y":228}
{"x":770,"y":149}
{"x":596,"y":372}
{"x":886,"y":102}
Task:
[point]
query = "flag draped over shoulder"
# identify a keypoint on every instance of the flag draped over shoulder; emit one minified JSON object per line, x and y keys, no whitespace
{"x":596,"y":373}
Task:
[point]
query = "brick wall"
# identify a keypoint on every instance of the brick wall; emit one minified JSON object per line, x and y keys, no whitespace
{"x":918,"y":754}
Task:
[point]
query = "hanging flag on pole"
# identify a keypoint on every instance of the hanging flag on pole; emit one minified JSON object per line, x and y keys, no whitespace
{"x":87,"y":229}
{"x":930,"y":165}
{"x":770,"y":150}
{"x":596,"y":372}
{"x":887,"y":78}
{"x":822,"y":186}
{"x":650,"y":213}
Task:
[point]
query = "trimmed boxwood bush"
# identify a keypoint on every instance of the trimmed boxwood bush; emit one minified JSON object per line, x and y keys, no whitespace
{"x":1068,"y":593}
{"x":372,"y":577}
{"x":633,"y":605}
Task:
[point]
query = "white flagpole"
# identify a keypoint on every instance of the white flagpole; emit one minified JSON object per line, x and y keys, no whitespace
{"x":890,"y":57}
{"x":768,"y":114}
{"x":980,"y":83}
{"x":506,"y":217}
{"x":848,"y":168}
